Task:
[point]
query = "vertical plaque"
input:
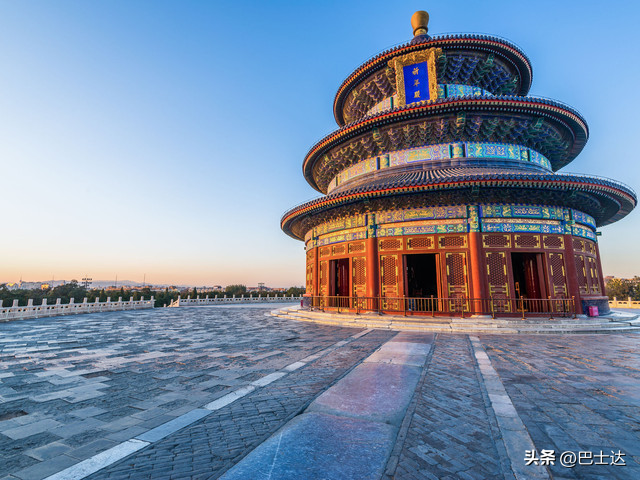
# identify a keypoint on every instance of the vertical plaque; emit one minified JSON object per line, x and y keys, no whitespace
{"x":416,"y":76}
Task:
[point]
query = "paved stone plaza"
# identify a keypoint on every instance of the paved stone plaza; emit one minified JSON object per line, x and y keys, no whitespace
{"x":200,"y":393}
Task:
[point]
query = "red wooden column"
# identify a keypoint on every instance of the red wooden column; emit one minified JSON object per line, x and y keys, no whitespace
{"x":373,"y":278}
{"x":372,"y":267}
{"x":478,"y":285}
{"x":600,"y":272}
{"x":316,"y":268}
{"x":571,"y":271}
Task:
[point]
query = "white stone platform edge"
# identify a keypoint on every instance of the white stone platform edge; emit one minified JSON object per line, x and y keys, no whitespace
{"x":616,"y":322}
{"x":515,"y":436}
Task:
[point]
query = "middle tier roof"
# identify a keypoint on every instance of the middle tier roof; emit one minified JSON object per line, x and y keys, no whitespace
{"x":551,"y":128}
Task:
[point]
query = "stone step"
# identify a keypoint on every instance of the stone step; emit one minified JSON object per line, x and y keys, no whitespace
{"x":580,"y":325}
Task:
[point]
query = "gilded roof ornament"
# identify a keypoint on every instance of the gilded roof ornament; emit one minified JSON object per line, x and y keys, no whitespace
{"x":420,"y":22}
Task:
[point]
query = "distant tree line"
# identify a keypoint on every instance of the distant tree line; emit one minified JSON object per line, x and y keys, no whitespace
{"x":78,"y":292}
{"x":623,"y":288}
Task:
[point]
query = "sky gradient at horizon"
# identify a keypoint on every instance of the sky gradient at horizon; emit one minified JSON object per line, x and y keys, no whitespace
{"x":166,"y":138}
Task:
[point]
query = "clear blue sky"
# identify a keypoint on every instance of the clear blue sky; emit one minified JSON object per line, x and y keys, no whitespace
{"x":167,"y":137}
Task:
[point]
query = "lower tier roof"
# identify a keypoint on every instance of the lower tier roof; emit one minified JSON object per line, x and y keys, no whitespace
{"x":605,"y":200}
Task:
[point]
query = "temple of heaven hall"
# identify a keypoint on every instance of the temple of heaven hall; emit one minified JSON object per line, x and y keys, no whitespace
{"x":441,"y":191}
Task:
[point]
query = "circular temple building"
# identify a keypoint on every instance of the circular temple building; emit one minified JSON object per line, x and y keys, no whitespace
{"x":441,"y":193}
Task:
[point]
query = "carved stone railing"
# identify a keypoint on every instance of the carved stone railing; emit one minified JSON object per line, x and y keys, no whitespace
{"x":628,"y":303}
{"x":16,"y":312}
{"x":199,"y":302}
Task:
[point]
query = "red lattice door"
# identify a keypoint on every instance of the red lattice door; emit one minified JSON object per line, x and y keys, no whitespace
{"x":592,"y":271}
{"x":557,"y":275}
{"x":309,"y":278}
{"x":359,"y":276}
{"x":359,"y":279}
{"x":581,"y":271}
{"x":456,"y":267}
{"x":389,"y":269}
{"x":324,"y":278}
{"x":498,"y":281}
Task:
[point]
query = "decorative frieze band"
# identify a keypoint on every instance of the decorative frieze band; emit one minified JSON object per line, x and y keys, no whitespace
{"x":496,"y":218}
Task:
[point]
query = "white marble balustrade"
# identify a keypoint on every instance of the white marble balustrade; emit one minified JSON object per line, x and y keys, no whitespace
{"x":628,"y":303}
{"x":195,"y":302}
{"x":16,"y":312}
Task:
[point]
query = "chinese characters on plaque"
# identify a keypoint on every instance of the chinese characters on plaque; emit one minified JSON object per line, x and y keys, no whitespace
{"x":416,"y":76}
{"x":416,"y":82}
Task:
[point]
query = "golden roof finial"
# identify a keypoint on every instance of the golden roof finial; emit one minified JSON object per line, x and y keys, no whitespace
{"x":420,"y":22}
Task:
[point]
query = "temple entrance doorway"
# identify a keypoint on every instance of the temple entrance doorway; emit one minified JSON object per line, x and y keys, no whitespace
{"x":421,"y":275}
{"x":340,"y":277}
{"x":527,"y":274}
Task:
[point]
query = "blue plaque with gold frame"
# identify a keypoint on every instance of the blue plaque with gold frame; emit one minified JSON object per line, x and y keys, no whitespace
{"x":416,"y":76}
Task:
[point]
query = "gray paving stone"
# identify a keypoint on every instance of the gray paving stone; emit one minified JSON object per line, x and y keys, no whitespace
{"x":44,"y":469}
{"x":29,"y":429}
{"x":88,"y":412}
{"x":48,"y":451}
{"x":74,"y":428}
{"x":572,"y":393}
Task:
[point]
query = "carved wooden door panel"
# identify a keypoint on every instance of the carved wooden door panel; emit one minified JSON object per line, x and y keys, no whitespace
{"x":389,"y":269}
{"x":498,"y":280}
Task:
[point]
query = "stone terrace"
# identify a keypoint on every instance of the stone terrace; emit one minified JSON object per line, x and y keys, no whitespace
{"x":73,"y":387}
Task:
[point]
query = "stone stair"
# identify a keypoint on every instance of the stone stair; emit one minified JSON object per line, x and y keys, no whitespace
{"x":617,"y":322}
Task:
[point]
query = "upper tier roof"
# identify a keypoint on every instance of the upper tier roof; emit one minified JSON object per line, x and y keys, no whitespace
{"x":489,"y":62}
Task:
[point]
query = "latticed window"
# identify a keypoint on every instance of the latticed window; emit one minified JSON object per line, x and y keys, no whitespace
{"x":356,"y":247}
{"x":496,"y":241}
{"x":552,"y":241}
{"x":391,"y":244}
{"x":578,"y":245}
{"x":455,"y":241}
{"x":527,"y":241}
{"x":339,"y":249}
{"x":417,"y":243}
